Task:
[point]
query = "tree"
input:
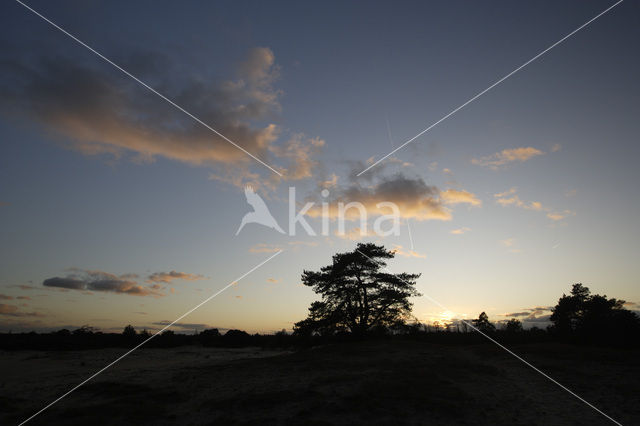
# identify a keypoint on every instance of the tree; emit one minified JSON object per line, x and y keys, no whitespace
{"x":483,"y":324}
{"x":514,"y":325}
{"x":129,"y":331}
{"x":584,"y":314}
{"x":357,"y":294}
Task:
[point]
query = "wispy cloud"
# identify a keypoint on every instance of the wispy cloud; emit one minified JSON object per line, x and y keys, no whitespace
{"x":14,"y":311}
{"x":509,"y":242}
{"x":454,"y":196}
{"x":510,"y":198}
{"x":506,"y":156}
{"x":264,"y":248}
{"x":167,"y":277}
{"x":401,"y":251}
{"x":354,"y":234}
{"x":460,"y":231}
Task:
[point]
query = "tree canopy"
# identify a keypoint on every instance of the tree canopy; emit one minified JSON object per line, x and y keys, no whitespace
{"x":358,"y":293}
{"x":592,"y":315}
{"x":483,"y":324}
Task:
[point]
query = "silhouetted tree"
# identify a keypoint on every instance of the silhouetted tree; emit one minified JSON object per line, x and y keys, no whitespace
{"x":210,"y":337}
{"x":513,"y":326}
{"x":84,"y":330}
{"x":236,"y":338}
{"x":483,"y":324}
{"x":129,"y":332}
{"x":593,"y":316}
{"x":357,"y":295}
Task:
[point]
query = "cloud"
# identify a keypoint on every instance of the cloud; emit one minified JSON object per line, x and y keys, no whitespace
{"x":354,"y":234}
{"x":25,"y":287}
{"x":517,"y":314}
{"x":99,"y":281}
{"x":412,"y":196}
{"x":264,"y":248}
{"x":167,"y":277}
{"x":272,"y":280}
{"x":401,"y":251}
{"x":330,"y":182}
{"x":510,"y":198}
{"x":182,"y":325}
{"x":13,"y":311}
{"x":536,"y":320}
{"x":97,"y":111}
{"x":560,"y":215}
{"x":509,"y":242}
{"x":460,"y":231}
{"x":506,"y":156}
{"x":532,"y":316}
{"x":301,"y":151}
{"x":556,"y":147}
{"x":454,"y":196}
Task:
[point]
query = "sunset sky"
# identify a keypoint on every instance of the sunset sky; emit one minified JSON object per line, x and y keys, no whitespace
{"x":116,"y":208}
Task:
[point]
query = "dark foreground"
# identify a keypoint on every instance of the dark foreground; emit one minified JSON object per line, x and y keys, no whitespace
{"x":386,"y":382}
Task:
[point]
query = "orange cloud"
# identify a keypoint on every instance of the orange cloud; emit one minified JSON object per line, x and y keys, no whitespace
{"x":460,"y":231}
{"x":510,"y":198}
{"x":454,"y":196}
{"x":494,"y":161}
{"x":401,"y":251}
{"x":117,"y":120}
{"x":264,"y":248}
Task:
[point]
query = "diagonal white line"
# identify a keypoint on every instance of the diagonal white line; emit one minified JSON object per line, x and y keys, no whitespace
{"x":510,"y":352}
{"x":410,"y":236}
{"x":149,"y":87}
{"x":492,"y":86}
{"x":154,"y":335}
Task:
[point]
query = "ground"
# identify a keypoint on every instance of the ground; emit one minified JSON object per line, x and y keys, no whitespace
{"x":381,"y":382}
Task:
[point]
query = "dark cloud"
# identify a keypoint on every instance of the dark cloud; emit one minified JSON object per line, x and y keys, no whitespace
{"x":167,"y":277}
{"x":518,"y":314}
{"x":182,"y":325}
{"x":540,"y":319}
{"x":100,"y":281}
{"x":414,"y":198}
{"x":69,"y":283}
{"x":532,"y":316}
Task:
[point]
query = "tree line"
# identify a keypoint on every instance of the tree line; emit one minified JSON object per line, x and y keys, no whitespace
{"x":361,"y":299}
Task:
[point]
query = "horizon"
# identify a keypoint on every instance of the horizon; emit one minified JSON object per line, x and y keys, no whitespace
{"x":117,"y":208}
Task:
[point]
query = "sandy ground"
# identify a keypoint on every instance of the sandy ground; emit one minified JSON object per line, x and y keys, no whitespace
{"x":399,"y":382}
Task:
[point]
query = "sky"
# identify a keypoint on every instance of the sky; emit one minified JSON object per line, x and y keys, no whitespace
{"x":117,"y":208}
